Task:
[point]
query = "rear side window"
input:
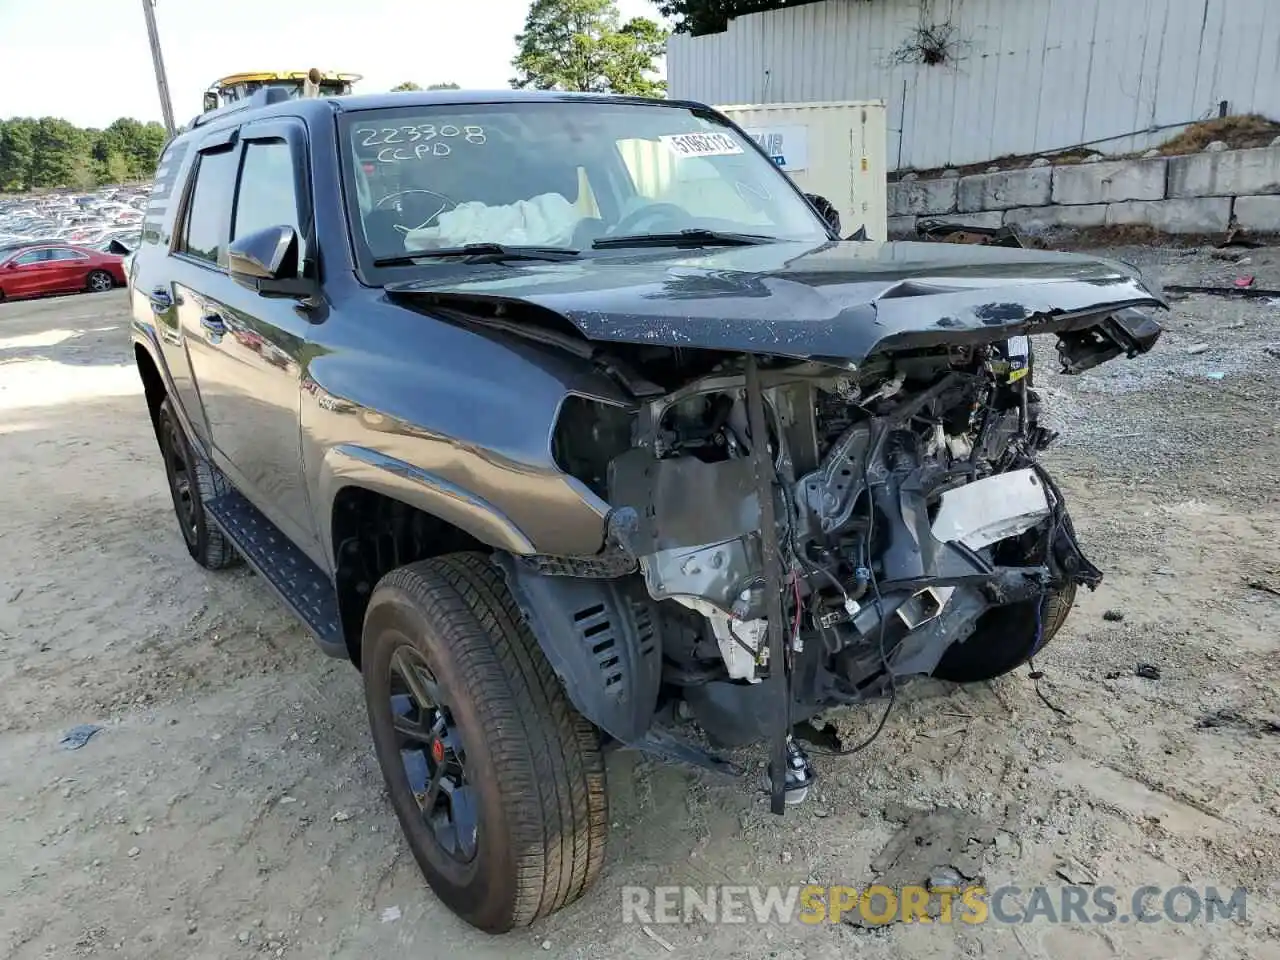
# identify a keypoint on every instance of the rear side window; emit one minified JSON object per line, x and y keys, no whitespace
{"x":162,"y":190}
{"x":208,"y":220}
{"x":267,"y":196}
{"x":62,"y":253}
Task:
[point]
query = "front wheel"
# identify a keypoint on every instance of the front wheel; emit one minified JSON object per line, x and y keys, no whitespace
{"x":498,"y":783}
{"x":1005,"y":638}
{"x":99,"y":281}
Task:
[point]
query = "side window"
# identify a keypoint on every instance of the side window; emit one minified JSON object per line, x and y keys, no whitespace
{"x":31,"y":256}
{"x":62,"y":253}
{"x":267,"y":196}
{"x":162,"y":190}
{"x":209,"y":213}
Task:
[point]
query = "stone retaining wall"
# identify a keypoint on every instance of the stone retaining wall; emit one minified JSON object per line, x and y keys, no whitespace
{"x":1204,"y":192}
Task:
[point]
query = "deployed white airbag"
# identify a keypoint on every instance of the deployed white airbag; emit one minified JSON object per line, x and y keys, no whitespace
{"x":545,"y":220}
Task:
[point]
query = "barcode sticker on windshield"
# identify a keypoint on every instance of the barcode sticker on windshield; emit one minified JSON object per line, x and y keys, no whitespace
{"x":701,"y":144}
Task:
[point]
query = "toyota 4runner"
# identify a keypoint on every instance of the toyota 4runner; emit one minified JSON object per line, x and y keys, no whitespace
{"x":573,"y":425}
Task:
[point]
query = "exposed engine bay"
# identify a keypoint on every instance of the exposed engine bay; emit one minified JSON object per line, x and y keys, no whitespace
{"x":815,"y":480}
{"x":863,"y":526}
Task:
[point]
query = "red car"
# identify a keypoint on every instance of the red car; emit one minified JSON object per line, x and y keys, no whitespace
{"x":35,"y":269}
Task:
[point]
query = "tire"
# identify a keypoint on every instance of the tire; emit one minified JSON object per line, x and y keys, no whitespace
{"x":192,"y":482}
{"x":533,"y":780}
{"x":1005,"y":638}
{"x":99,"y":281}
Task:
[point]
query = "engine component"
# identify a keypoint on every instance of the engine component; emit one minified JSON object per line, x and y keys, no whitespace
{"x":799,"y":776}
{"x":906,"y":527}
{"x":991,"y":509}
{"x":919,"y":608}
{"x":742,"y":642}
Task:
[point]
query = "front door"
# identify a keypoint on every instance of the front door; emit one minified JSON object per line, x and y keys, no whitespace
{"x":27,"y":274}
{"x":243,"y":348}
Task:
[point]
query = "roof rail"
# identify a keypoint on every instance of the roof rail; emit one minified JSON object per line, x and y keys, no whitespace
{"x":259,"y":98}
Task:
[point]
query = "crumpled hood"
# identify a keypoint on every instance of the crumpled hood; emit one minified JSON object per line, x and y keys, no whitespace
{"x":828,"y":300}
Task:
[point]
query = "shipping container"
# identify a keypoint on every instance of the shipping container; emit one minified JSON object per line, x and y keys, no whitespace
{"x":836,"y":150}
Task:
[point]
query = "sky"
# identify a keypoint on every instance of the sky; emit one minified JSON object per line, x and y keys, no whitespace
{"x":88,"y":60}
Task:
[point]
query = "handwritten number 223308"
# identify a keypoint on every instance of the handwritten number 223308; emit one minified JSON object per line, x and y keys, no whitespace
{"x":420,"y":133}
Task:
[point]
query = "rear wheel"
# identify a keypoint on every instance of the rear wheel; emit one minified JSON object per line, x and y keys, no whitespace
{"x":498,"y":783}
{"x":99,"y":281}
{"x":1006,"y":637}
{"x":192,"y":481}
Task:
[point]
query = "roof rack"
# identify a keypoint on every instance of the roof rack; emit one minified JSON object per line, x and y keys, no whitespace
{"x":259,"y":98}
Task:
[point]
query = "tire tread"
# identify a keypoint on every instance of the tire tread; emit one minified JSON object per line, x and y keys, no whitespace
{"x":218,"y":552}
{"x":553,"y":780}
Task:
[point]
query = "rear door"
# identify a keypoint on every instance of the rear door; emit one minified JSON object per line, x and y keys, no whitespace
{"x":67,"y":269}
{"x":244,"y":348}
{"x":151,"y":290}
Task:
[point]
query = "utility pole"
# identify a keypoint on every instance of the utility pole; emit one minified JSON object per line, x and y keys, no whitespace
{"x":162,"y":81}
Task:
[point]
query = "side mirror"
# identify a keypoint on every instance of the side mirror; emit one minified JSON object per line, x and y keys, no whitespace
{"x":826,"y":210}
{"x":210,"y":101}
{"x":267,"y":263}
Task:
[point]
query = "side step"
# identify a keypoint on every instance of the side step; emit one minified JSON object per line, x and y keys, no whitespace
{"x":302,"y":585}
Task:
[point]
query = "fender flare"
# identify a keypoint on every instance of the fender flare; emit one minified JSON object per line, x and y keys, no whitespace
{"x":145,"y":338}
{"x":351,"y":465}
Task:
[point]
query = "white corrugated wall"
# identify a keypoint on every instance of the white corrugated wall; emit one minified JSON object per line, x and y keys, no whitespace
{"x":1032,"y":75}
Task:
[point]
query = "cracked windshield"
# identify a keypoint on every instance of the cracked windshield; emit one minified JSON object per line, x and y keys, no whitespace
{"x":561,"y":175}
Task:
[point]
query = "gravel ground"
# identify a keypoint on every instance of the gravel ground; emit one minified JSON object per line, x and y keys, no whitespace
{"x":231,"y":806}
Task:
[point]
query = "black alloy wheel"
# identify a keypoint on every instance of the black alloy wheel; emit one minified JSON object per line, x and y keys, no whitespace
{"x":432,"y":752}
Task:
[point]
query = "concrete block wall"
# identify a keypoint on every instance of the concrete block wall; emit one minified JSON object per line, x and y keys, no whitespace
{"x":1205,"y":192}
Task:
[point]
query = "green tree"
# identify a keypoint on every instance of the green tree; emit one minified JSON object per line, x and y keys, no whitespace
{"x":17,"y":153}
{"x":54,"y":153}
{"x":410,"y":85}
{"x":580,"y":45}
{"x":113,"y":168}
{"x":61,"y":154}
{"x":145,"y":150}
{"x":82,"y":174}
{"x":712,"y":16}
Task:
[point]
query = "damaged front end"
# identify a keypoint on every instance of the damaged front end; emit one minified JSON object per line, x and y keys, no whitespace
{"x":789,"y":533}
{"x":804,"y":536}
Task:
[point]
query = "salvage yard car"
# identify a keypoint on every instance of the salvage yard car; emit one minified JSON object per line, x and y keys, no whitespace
{"x":570,"y":422}
{"x":39,"y":269}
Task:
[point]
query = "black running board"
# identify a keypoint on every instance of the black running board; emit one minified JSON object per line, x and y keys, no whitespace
{"x":303,"y":586}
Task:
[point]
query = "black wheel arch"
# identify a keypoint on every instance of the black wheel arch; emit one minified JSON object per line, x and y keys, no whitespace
{"x":600,"y":635}
{"x":373,"y":533}
{"x":154,"y":387}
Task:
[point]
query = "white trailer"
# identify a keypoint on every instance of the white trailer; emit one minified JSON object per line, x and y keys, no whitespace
{"x":836,"y":150}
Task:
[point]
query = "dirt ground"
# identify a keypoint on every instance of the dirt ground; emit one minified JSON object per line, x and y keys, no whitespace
{"x":231,"y":806}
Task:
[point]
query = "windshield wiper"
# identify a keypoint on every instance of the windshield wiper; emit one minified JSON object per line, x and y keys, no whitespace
{"x":683,"y":238}
{"x":479,"y":253}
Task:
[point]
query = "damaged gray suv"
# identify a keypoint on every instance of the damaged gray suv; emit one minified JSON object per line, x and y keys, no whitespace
{"x":573,"y":425}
